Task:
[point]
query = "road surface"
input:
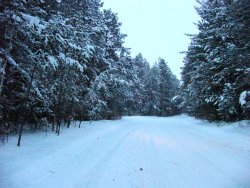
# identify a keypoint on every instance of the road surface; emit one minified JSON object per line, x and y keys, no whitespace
{"x":135,"y":152}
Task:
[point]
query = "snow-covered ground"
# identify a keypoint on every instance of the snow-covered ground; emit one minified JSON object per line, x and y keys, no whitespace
{"x":135,"y":152}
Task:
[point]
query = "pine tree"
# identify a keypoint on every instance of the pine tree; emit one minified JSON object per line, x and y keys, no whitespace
{"x":168,"y":88}
{"x":218,"y":59}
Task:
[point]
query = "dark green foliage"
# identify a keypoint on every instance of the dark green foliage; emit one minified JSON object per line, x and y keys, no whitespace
{"x":65,"y":60}
{"x":216,"y":69}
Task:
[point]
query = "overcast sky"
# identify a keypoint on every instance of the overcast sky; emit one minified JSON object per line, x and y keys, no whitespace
{"x":157,"y":28}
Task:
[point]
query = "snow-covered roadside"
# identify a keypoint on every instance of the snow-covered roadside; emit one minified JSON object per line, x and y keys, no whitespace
{"x":139,"y":152}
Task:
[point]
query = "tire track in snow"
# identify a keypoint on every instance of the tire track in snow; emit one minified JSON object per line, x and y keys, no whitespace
{"x":171,"y":151}
{"x":100,"y":165}
{"x":201,"y":157}
{"x":210,"y":139}
{"x":159,"y":160}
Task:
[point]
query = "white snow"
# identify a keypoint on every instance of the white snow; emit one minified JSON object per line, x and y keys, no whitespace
{"x":52,"y":61}
{"x":75,"y":46}
{"x":90,"y":48}
{"x":175,"y":97}
{"x":243,"y":97}
{"x":16,"y":18}
{"x":60,"y":38}
{"x":9,"y":58}
{"x":62,"y":55}
{"x":34,"y":21}
{"x":143,"y":152}
{"x":71,"y":62}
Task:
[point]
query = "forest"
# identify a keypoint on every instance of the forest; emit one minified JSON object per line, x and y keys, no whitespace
{"x":64,"y":60}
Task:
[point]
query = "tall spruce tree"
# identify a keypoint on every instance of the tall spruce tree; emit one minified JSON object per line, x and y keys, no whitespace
{"x":217,"y":62}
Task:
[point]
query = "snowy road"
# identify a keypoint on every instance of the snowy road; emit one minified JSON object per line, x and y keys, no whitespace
{"x":135,"y":152}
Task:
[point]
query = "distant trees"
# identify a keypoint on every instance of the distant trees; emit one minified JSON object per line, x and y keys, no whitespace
{"x":168,"y":85}
{"x":65,"y":60}
{"x":216,"y":71}
{"x":154,"y":88}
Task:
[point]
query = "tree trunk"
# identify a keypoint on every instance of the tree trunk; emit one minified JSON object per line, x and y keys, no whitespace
{"x":58,"y":127}
{"x":46,"y":129}
{"x":80,"y":124}
{"x":58,"y":111}
{"x":26,"y":106}
{"x":1,"y":88}
{"x":68,"y":124}
{"x":3,"y":74}
{"x":53,"y":124}
{"x":20,"y":134}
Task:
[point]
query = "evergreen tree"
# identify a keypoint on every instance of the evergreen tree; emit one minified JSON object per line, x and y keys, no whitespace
{"x":141,"y":70}
{"x":168,"y":88}
{"x":218,"y":58}
{"x":65,"y":60}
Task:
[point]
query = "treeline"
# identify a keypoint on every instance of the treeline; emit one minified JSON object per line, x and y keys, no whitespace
{"x":65,"y":60}
{"x":216,"y":73}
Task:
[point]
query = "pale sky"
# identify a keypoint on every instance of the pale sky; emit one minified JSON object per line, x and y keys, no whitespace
{"x":157,"y":28}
